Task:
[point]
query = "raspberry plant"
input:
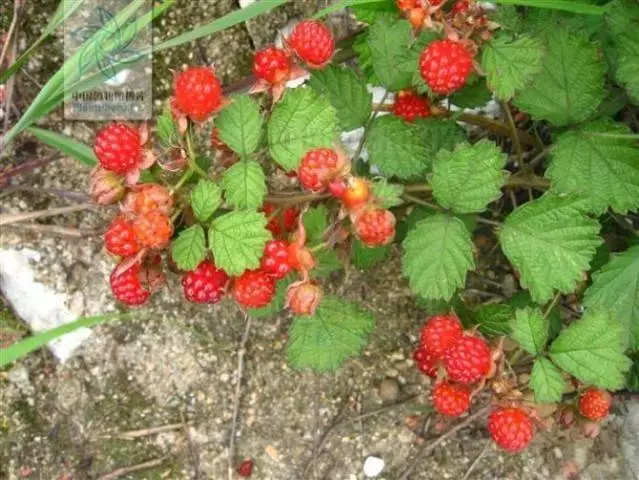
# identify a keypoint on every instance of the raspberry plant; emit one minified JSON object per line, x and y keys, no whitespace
{"x":282,"y":201}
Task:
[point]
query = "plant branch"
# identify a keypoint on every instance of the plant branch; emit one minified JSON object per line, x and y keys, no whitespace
{"x":513,"y":130}
{"x":552,"y":304}
{"x":367,"y":127}
{"x":6,"y":218}
{"x":120,"y":472}
{"x":55,"y":230}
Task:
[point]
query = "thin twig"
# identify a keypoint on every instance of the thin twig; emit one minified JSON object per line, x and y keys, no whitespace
{"x":554,"y":301}
{"x":6,"y":219}
{"x":120,"y":472}
{"x":477,"y":460}
{"x":426,"y":449}
{"x":55,"y":230}
{"x":424,"y":203}
{"x":25,"y":167}
{"x":367,"y":127}
{"x":513,"y":131}
{"x":238,"y":392}
{"x":145,"y":432}
{"x":54,"y":192}
{"x":538,"y":159}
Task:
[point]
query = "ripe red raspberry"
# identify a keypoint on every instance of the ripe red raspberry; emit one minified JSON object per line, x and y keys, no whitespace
{"x":254,"y":289}
{"x":275,"y":259}
{"x":205,"y":284}
{"x":120,"y":238}
{"x":318,"y":168}
{"x":245,"y":469}
{"x":445,"y":66}
{"x":118,"y":148}
{"x":153,"y":230}
{"x":313,"y":42}
{"x":272,"y":65}
{"x":303,"y":298}
{"x":440,"y":332}
{"x":283,"y":223}
{"x":594,"y":404}
{"x":375,"y":226}
{"x":468,"y":360}
{"x":198,"y":93}
{"x":147,"y":198}
{"x":127,"y":286}
{"x":426,"y":363}
{"x":511,"y":428}
{"x":409,"y":106}
{"x":451,"y":399}
{"x":356,"y":193}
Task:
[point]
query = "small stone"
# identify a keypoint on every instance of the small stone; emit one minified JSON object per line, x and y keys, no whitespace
{"x":389,"y":389}
{"x":373,"y":466}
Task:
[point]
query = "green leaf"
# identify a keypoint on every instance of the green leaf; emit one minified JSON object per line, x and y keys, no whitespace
{"x":315,"y":222}
{"x":189,"y":248}
{"x":470,"y":177}
{"x":327,"y":263}
{"x":472,"y":95}
{"x":570,"y":87}
{"x":437,"y":254}
{"x":632,"y":379}
{"x":167,"y":129}
{"x":371,"y":12}
{"x":346,"y":92}
{"x":551,"y":242}
{"x":66,"y":145}
{"x":396,"y":147}
{"x":439,"y":135}
{"x":301,"y":121}
{"x":547,"y":381}
{"x":389,"y":42}
{"x":409,"y":61}
{"x":205,"y":199}
{"x":511,"y":64}
{"x":615,"y":288}
{"x":622,"y":18}
{"x":278,"y":302}
{"x":237,"y":240}
{"x":591,"y":349}
{"x":244,"y":184}
{"x":530,"y":329}
{"x":494,"y":319}
{"x":386,"y":194}
{"x":603,"y":169}
{"x":324,"y":341}
{"x":565,"y":5}
{"x":365,"y":58}
{"x":522,"y":299}
{"x":240,"y":125}
{"x":365,"y":257}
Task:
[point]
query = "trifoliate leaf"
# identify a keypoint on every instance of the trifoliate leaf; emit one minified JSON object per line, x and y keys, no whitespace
{"x":494,"y":319}
{"x":470,"y":177}
{"x":337,"y":331}
{"x":365,"y":257}
{"x":371,"y":12}
{"x":301,"y":121}
{"x":327,"y":263}
{"x":240,"y":125}
{"x":472,"y":95}
{"x":167,"y":129}
{"x":546,"y":381}
{"x":389,"y":41}
{"x":278,"y":302}
{"x":315,"y":222}
{"x":570,"y":86}
{"x":245,"y":184}
{"x":347,"y":93}
{"x":530,"y":329}
{"x":603,"y":169}
{"x":237,"y":240}
{"x":511,"y":64}
{"x":386,"y":194}
{"x":592,"y":349}
{"x":205,"y":199}
{"x":396,"y":147}
{"x":437,"y":254}
{"x":615,"y":288}
{"x":189,"y":248}
{"x":439,"y":135}
{"x":551,"y":242}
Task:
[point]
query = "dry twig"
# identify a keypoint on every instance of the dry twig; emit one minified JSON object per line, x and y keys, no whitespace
{"x":478,"y":458}
{"x":120,"y":472}
{"x":6,"y":219}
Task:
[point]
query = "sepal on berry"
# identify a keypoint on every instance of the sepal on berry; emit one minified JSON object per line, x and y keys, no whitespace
{"x":106,"y":187}
{"x":304,"y":297}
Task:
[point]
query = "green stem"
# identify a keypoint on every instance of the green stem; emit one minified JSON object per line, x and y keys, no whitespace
{"x":191,"y":155}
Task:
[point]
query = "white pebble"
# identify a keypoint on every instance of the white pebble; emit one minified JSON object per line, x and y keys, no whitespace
{"x":373,"y":466}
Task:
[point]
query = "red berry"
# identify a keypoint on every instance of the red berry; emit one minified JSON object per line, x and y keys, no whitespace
{"x":283,"y":223}
{"x":594,"y":404}
{"x":440,"y":332}
{"x":451,"y":399}
{"x":408,"y":4}
{"x":303,"y":298}
{"x":272,"y":65}
{"x":127,"y":286}
{"x":318,"y":168}
{"x":357,"y":193}
{"x":461,"y":6}
{"x":468,"y":360}
{"x":445,"y":66}
{"x":375,"y":226}
{"x":205,"y":284}
{"x":313,"y":42}
{"x":153,"y":230}
{"x":245,"y":469}
{"x":120,"y":238}
{"x":198,"y":93}
{"x":254,"y":289}
{"x":409,"y":106}
{"x":426,"y":362}
{"x":275,"y":259}
{"x":118,"y":148}
{"x":511,"y":428}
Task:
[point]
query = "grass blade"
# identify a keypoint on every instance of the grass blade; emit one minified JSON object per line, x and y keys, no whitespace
{"x":66,"y":145}
{"x":33,"y":343}
{"x":565,"y":5}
